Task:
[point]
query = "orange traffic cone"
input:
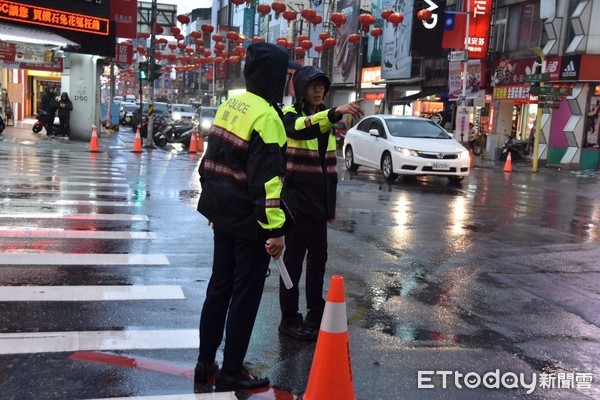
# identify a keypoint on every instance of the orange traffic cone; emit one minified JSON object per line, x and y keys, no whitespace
{"x":94,"y":141}
{"x":137,"y":142}
{"x":200,"y":142}
{"x":331,"y":372}
{"x":471,"y":156}
{"x":193,"y":143}
{"x":508,"y":163}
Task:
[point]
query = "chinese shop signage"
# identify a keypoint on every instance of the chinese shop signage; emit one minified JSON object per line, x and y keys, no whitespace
{"x":479,"y":28}
{"x":53,"y":18}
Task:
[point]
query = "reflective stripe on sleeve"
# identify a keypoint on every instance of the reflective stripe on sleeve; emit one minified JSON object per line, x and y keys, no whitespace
{"x":225,"y":170}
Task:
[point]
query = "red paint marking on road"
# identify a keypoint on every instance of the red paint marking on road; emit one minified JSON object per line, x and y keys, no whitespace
{"x":167,"y":368}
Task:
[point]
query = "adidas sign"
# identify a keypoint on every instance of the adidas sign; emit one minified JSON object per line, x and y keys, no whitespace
{"x":569,"y":71}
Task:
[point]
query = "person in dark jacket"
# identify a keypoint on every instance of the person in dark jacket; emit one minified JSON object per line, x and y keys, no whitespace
{"x":241,"y":175}
{"x":49,"y":106}
{"x":65,"y":106}
{"x":310,"y":192}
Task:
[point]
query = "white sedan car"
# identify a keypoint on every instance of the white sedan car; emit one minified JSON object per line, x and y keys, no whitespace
{"x":399,"y":145}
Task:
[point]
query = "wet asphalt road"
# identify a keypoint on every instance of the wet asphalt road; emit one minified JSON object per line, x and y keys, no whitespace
{"x":499,"y":273}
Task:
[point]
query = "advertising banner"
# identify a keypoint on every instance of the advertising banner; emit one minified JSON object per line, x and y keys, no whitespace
{"x":345,"y":53}
{"x":124,"y":13}
{"x":473,"y":80}
{"x":427,"y":35}
{"x":396,"y":61}
{"x":479,"y":28}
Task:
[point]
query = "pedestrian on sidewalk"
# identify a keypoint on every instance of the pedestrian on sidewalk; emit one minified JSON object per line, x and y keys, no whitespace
{"x":241,"y":176}
{"x":309,"y":191}
{"x":65,"y":106}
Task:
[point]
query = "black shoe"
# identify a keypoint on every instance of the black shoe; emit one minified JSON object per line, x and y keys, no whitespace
{"x":313,"y":320}
{"x":241,"y":380}
{"x":205,"y":373}
{"x":297,"y":330}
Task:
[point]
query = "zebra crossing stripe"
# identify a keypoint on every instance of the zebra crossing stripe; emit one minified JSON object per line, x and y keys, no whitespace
{"x":58,"y":202}
{"x":91,"y":293}
{"x":93,"y":217}
{"x":199,"y":396}
{"x":89,"y":192}
{"x":65,"y":259}
{"x":70,"y":341}
{"x":37,"y":182}
{"x":73,"y":234}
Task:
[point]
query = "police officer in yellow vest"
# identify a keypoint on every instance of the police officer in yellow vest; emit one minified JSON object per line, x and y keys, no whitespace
{"x":310,"y":192}
{"x":241,"y":175}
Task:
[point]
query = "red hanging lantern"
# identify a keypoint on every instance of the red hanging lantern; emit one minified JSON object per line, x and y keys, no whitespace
{"x":199,"y":42}
{"x":184,"y":19}
{"x":175,"y":30}
{"x":257,"y":39}
{"x":263,"y":9}
{"x":159,"y":29}
{"x":424,"y":15}
{"x":282,"y":41}
{"x":278,"y":7}
{"x":366,"y":20}
{"x":395,"y":19}
{"x":219,"y":47}
{"x":196,"y":34}
{"x":172,"y":46}
{"x":218,"y":38}
{"x":319,"y":48}
{"x":376,"y":32}
{"x":308,"y":14}
{"x":206,"y":53}
{"x":239,"y":51}
{"x":385,"y":14}
{"x":181,"y":45}
{"x":290,"y":45}
{"x":224,"y":54}
{"x":354,"y":38}
{"x":289,"y":16}
{"x":179,"y":37}
{"x":172,"y":58}
{"x":338,"y":19}
{"x":329,"y":43}
{"x":162,"y":41}
{"x":233,"y":59}
{"x":233,"y":36}
{"x":302,"y":38}
{"x":306,"y":44}
{"x":219,"y":60}
{"x":316,"y":20}
{"x":299,"y":51}
{"x":144,"y":35}
{"x":237,"y":2}
{"x":189,"y":50}
{"x":324,"y":35}
{"x":207,"y":28}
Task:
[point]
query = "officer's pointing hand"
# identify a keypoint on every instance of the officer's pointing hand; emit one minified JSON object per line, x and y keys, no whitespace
{"x":353,"y":108}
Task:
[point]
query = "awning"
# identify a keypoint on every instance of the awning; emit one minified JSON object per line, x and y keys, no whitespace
{"x":423,"y":93}
{"x":19,"y":33}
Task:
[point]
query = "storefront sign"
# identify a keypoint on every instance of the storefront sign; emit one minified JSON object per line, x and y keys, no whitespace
{"x":588,"y":69}
{"x":370,"y":75}
{"x":479,"y":28}
{"x":55,"y":66}
{"x":553,"y":66}
{"x":373,"y":96}
{"x":512,"y":72}
{"x":124,"y":13}
{"x":427,"y":35}
{"x":123,"y":54}
{"x":53,"y":18}
{"x":570,"y":68}
{"x":511,"y":93}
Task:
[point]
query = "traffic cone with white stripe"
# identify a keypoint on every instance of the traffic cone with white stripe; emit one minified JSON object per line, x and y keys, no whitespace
{"x":137,"y":142}
{"x":94,"y":141}
{"x":200,"y":142}
{"x":331,"y":372}
{"x":193,"y":143}
{"x":508,"y":163}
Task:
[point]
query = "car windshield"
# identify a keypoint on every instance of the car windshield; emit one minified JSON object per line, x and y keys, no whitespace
{"x":159,"y":108}
{"x":182,"y":108}
{"x":208,"y":112}
{"x":415,"y":128}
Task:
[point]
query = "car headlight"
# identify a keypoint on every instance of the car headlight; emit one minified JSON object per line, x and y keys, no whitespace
{"x":176,"y":116}
{"x":463,"y":154}
{"x":406,"y":152}
{"x":205,"y":124}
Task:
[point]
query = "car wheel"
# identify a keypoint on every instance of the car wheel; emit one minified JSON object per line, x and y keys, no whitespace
{"x":455,"y":179}
{"x":387,"y":167}
{"x":349,"y":159}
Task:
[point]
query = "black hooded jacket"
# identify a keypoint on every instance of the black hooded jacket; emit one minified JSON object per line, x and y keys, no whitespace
{"x":311,"y":176}
{"x":242,"y":170}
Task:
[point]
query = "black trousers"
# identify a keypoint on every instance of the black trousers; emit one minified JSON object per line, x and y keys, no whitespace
{"x":232,"y":298}
{"x":308,"y":237}
{"x":65,"y":126}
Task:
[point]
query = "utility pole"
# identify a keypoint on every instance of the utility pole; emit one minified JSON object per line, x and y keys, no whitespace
{"x":538,"y":120}
{"x":151,"y":60}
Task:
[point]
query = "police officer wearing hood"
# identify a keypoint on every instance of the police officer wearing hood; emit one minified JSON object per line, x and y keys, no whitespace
{"x":241,"y":175}
{"x":310,"y":192}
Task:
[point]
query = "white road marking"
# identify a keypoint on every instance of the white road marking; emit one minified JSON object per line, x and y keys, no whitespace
{"x":82,"y":259}
{"x":7,"y":232}
{"x":90,"y":293}
{"x":198,"y":396}
{"x":95,"y":217}
{"x":89,"y":192}
{"x":52,"y":342}
{"x":58,"y":202}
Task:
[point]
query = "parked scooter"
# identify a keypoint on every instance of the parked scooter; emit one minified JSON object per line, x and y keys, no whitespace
{"x":165,"y":131}
{"x":517,"y":148}
{"x":45,"y":121}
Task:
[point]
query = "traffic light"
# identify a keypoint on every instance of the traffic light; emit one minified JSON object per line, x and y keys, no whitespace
{"x":156,"y":73}
{"x":143,"y":71}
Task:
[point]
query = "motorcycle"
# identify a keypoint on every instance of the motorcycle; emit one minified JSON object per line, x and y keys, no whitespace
{"x":518,"y":149}
{"x":44,"y":121}
{"x":165,"y":131}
